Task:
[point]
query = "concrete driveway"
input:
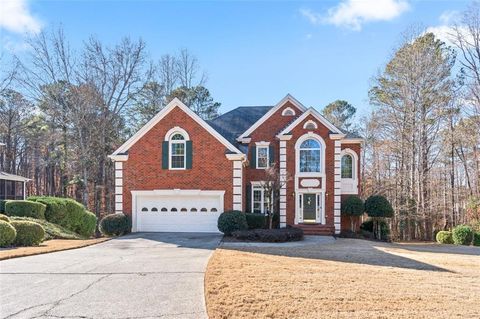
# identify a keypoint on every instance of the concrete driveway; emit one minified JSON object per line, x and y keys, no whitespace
{"x":148,"y":275}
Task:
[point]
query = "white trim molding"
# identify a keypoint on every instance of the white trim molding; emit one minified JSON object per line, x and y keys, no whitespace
{"x":118,"y":186}
{"x":300,"y":140}
{"x":160,"y":115}
{"x":290,"y":111}
{"x":337,"y":192}
{"x":283,"y":177}
{"x":237,"y":202}
{"x":272,"y":111}
{"x":176,"y":129}
{"x":318,"y":116}
{"x":310,"y":122}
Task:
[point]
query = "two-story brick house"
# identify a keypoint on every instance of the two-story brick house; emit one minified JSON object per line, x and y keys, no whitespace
{"x":179,"y":172}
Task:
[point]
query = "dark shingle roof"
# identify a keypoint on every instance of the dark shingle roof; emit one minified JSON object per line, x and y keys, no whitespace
{"x":232,"y":124}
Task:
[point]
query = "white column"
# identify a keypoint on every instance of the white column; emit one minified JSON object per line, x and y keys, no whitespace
{"x":338,"y":188}
{"x":118,"y":187}
{"x":283,"y":190}
{"x":237,"y":185}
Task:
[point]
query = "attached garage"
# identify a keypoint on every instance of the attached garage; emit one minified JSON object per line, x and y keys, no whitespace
{"x":176,"y":210}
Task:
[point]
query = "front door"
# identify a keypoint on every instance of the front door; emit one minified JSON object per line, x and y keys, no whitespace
{"x":309,"y":207}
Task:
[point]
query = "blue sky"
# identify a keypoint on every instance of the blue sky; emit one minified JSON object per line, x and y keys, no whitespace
{"x":254,"y":52}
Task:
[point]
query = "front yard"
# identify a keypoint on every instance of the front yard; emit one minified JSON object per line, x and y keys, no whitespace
{"x":345,"y":279}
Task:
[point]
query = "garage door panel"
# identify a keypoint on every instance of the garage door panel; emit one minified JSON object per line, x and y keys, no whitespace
{"x":182,"y":211}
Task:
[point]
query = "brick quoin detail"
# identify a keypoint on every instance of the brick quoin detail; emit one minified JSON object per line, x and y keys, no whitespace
{"x":211,"y":170}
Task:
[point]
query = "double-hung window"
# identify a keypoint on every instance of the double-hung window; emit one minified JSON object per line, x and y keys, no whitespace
{"x":262,"y":156}
{"x":310,"y":152}
{"x":177,"y":151}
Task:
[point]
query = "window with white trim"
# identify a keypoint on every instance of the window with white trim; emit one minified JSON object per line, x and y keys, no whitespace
{"x":347,"y":166}
{"x":310,"y":155}
{"x":177,"y":151}
{"x":262,"y":156}
{"x":260,"y":200}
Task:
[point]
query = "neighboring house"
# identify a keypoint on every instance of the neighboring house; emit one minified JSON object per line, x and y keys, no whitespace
{"x":12,"y":186}
{"x":179,"y":172}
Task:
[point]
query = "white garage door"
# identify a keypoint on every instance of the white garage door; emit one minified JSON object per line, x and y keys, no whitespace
{"x":177,"y":210}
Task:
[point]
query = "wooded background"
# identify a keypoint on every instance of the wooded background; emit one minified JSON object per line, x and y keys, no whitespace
{"x":64,"y":110}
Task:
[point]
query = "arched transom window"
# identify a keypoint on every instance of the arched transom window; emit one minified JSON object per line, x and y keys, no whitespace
{"x":177,"y":151}
{"x":310,"y":155}
{"x":347,"y":166}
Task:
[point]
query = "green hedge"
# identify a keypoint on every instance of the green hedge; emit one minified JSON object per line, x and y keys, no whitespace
{"x":476,"y":238}
{"x":7,"y":234}
{"x":68,"y":213}
{"x":270,"y":235}
{"x":367,"y":226}
{"x":2,"y":205}
{"x":231,"y":221}
{"x":462,"y":235}
{"x":114,"y":225}
{"x":444,"y":237}
{"x":4,"y":218}
{"x":28,"y":233}
{"x":25,"y":208}
{"x":256,"y":221}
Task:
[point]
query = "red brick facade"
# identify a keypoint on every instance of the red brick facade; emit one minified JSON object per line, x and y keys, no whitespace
{"x":211,"y":170}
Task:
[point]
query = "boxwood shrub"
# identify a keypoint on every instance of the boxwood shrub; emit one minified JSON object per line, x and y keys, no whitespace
{"x":367,"y":226}
{"x":25,"y":208}
{"x":231,"y":221}
{"x":114,"y":225}
{"x":68,"y":213}
{"x":7,"y":234}
{"x":462,"y":235}
{"x":444,"y":237}
{"x":476,"y":238}
{"x":256,"y":221}
{"x":4,"y":218}
{"x":270,"y":235}
{"x":28,"y":233}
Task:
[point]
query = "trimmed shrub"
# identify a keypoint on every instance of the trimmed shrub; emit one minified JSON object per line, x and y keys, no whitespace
{"x":367,"y":226}
{"x":378,"y":206}
{"x":476,"y":238}
{"x":231,"y":221}
{"x":28,"y":233}
{"x":114,"y":225}
{"x":68,"y":213}
{"x":4,"y":218}
{"x":256,"y":221}
{"x":462,"y":235}
{"x":353,"y":206}
{"x":444,"y":237}
{"x":7,"y":234}
{"x":270,"y":235}
{"x":2,"y":205}
{"x":88,"y":224}
{"x":25,"y":208}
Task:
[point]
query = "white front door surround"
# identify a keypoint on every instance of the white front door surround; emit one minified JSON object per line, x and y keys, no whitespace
{"x":176,"y":210}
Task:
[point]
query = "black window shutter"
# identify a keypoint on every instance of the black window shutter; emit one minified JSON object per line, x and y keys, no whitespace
{"x":248,"y":198}
{"x":188,"y":149}
{"x":165,"y":154}
{"x":271,"y":155}
{"x":253,"y":156}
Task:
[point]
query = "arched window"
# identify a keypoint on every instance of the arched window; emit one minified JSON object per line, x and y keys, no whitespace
{"x":164,"y":209}
{"x":154,"y":209}
{"x":177,"y":151}
{"x":144,"y":209}
{"x":347,"y":166}
{"x":310,"y":155}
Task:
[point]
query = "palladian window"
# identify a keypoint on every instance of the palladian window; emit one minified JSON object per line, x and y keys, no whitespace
{"x":310,"y":154}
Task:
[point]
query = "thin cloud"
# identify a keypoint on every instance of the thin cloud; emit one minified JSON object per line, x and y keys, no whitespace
{"x":353,"y":14}
{"x":447,"y":31}
{"x":16,"y":17}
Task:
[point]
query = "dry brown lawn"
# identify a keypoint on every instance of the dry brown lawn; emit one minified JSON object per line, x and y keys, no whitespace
{"x":47,"y":246}
{"x":345,"y":279}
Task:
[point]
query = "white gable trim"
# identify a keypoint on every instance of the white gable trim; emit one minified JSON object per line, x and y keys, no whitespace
{"x":317,"y":115}
{"x":160,"y":115}
{"x":274,"y":109}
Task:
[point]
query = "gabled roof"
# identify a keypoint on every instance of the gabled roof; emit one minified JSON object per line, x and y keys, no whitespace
{"x":318,"y":116}
{"x":11,"y":177}
{"x":235,"y":122}
{"x":122,"y":150}
{"x":286,"y":99}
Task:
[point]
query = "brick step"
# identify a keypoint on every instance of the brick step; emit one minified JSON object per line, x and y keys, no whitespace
{"x":317,"y":229}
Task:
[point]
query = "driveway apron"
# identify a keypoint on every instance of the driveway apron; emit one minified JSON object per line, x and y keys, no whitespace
{"x":144,"y":275}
